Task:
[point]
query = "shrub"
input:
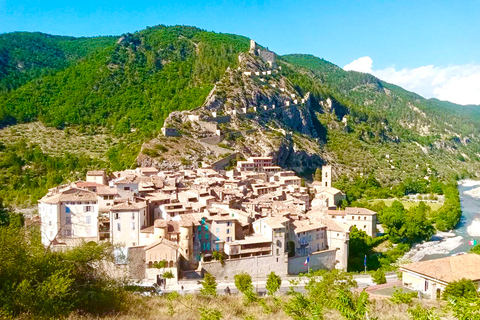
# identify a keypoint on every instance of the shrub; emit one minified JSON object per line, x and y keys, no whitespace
{"x":460,"y":289}
{"x":274,"y":282}
{"x":209,"y":286}
{"x":150,"y":153}
{"x":161,"y":148}
{"x":400,"y":297}
{"x":379,"y":277}
{"x":209,"y":314}
{"x":243,"y":282}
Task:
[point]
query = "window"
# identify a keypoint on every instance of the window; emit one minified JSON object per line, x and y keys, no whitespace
{"x":199,"y":228}
{"x":133,"y":225}
{"x":134,"y":244}
{"x":68,"y":220}
{"x":199,"y":236}
{"x":229,"y":224}
{"x":217,"y":247}
{"x":88,"y":208}
{"x":133,"y":215}
{"x":364,"y":227}
{"x":68,"y":232}
{"x":116,"y":216}
{"x":278,"y":251}
{"x":67,"y":209}
{"x":364,"y":218}
{"x":88,"y":219}
{"x":206,"y":236}
{"x":50,"y":223}
{"x":217,"y":230}
{"x":318,"y":247}
{"x":126,"y":188}
{"x":228,"y":231}
{"x":206,"y":227}
{"x":208,"y":246}
{"x":119,"y":227}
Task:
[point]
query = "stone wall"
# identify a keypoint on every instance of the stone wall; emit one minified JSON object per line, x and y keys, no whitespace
{"x":222,"y":163}
{"x":318,"y":260}
{"x":209,"y":126}
{"x":220,"y":119}
{"x":259,"y":266}
{"x":136,"y":262}
{"x":213,"y":140}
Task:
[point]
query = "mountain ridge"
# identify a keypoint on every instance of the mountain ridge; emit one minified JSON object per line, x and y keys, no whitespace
{"x":131,"y":83}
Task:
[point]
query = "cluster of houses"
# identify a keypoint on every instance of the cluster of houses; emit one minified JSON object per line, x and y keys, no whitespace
{"x":181,"y":218}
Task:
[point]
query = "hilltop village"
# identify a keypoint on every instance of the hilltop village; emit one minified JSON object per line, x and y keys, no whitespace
{"x":258,"y":217}
{"x":255,"y":218}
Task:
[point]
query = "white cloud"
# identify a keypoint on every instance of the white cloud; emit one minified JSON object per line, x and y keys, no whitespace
{"x":458,"y":84}
{"x":363,"y":64}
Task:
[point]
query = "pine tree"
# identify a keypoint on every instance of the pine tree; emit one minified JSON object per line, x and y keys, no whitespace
{"x":318,"y":175}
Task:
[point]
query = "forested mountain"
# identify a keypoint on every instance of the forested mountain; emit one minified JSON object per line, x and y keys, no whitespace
{"x":25,"y":56}
{"x":129,"y":85}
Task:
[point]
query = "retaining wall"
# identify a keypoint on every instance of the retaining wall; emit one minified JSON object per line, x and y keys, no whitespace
{"x":318,"y":260}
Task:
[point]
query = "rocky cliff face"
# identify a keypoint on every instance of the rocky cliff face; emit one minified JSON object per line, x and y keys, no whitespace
{"x":255,"y":110}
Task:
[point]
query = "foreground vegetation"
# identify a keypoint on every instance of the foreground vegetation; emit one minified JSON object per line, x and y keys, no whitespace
{"x":40,"y":283}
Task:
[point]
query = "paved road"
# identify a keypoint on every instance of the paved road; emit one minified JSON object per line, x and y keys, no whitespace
{"x":194,"y":286}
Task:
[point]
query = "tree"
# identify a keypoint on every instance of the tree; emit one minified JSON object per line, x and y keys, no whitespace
{"x":350,"y":305}
{"x":318,"y":175}
{"x":379,"y":277}
{"x":460,"y":289}
{"x":209,"y":285}
{"x":243,"y":282}
{"x":274,"y":282}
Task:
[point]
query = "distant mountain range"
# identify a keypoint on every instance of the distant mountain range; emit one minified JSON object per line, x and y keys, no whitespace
{"x":131,"y":83}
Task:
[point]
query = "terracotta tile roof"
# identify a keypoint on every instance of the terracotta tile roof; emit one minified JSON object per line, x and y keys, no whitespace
{"x":306,"y":225}
{"x":106,"y":190}
{"x":336,"y":212}
{"x":449,"y":269}
{"x":128,"y":205}
{"x":361,"y":211}
{"x":275,"y":222}
{"x":71,"y":194}
{"x":330,"y":190}
{"x":336,"y":225}
{"x":85,"y":184}
{"x":148,"y":229}
{"x":166,"y":242}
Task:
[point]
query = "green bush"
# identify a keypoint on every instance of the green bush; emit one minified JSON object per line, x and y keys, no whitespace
{"x":40,"y":283}
{"x":379,"y":277}
{"x":400,"y":297}
{"x":460,"y":289}
{"x":150,"y":152}
{"x":209,"y":285}
{"x":243,"y":282}
{"x":273,"y":284}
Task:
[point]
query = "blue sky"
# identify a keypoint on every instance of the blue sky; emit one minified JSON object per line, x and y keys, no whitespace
{"x":395,"y":35}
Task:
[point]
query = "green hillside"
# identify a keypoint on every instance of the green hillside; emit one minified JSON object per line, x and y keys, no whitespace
{"x":131,"y":84}
{"x":390,"y":132}
{"x":25,"y":56}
